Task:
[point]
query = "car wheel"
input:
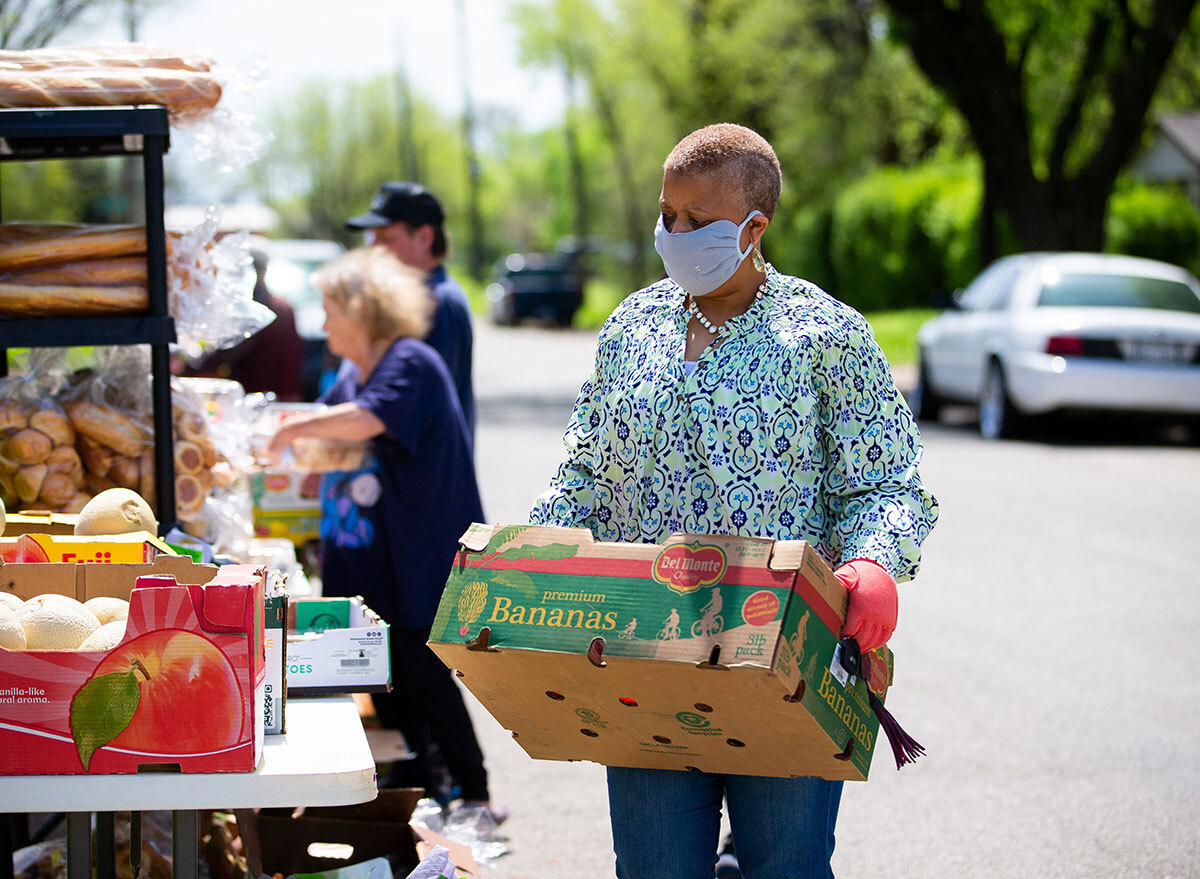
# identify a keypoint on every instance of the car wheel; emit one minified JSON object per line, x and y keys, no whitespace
{"x":998,"y":417}
{"x":925,"y":402}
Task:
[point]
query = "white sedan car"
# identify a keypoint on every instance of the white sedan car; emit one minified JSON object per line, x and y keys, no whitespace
{"x":1041,"y":332}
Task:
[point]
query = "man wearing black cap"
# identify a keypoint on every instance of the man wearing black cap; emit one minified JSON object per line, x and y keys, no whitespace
{"x":407,"y":220}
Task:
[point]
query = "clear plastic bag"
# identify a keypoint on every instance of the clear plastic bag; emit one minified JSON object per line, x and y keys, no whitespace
{"x":108,"y":404}
{"x":189,"y":84}
{"x":211,"y":289}
{"x":39,"y":466}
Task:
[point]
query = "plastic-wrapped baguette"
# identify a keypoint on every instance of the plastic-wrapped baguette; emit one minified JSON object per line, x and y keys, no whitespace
{"x":121,"y":55}
{"x":130,"y":270}
{"x":57,"y":246}
{"x":183,"y":92}
{"x":42,"y":300}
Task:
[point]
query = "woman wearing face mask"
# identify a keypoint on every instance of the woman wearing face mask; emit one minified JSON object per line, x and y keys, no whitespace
{"x":732,"y":399}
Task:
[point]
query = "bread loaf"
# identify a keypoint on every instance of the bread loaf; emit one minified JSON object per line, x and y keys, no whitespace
{"x":63,"y":300}
{"x":109,"y":427}
{"x":56,"y":247}
{"x":122,"y":271}
{"x":124,"y":55}
{"x":13,"y":232}
{"x":182,"y":92}
{"x":29,"y":446}
{"x":53,"y":424}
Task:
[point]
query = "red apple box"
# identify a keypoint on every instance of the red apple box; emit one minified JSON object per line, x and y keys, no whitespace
{"x":179,"y":691}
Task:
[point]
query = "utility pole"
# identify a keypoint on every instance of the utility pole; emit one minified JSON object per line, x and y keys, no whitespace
{"x":410,"y":165}
{"x":475,"y":224}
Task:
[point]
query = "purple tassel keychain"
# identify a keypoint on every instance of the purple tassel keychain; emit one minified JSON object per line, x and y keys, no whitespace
{"x":905,"y":748}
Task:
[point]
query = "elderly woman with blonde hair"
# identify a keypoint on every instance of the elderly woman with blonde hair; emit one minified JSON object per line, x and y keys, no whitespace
{"x":390,"y":528}
{"x":730,"y":398}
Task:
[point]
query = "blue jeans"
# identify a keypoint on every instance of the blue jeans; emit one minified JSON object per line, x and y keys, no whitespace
{"x":666,"y":823}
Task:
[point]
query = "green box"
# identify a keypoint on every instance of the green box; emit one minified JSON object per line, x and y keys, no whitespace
{"x":711,"y":652}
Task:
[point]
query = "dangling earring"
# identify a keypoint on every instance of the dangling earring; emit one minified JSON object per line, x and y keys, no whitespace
{"x":756,"y":258}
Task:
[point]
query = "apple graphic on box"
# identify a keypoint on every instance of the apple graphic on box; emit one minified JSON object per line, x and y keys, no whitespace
{"x":169,"y":691}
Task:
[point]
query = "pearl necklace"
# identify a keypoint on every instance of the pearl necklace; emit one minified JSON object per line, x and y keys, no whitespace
{"x":707,"y":324}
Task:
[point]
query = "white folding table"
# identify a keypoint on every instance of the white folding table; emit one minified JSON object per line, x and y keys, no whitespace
{"x":322,"y":760}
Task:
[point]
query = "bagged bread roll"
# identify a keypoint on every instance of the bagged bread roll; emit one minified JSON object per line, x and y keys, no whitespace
{"x":97,"y":457}
{"x":13,"y":416}
{"x":57,"y":489}
{"x":109,"y":427}
{"x":53,"y":424}
{"x":63,"y":459}
{"x":28,"y":482}
{"x":76,"y":503}
{"x":7,"y":465}
{"x":124,"y":472}
{"x":146,"y":483}
{"x":95,"y":484}
{"x":183,"y":92}
{"x":29,"y":446}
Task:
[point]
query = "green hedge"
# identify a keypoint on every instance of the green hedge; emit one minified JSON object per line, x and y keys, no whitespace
{"x":900,"y":237}
{"x":1155,"y":222}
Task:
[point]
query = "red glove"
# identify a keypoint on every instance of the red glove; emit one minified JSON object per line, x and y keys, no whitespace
{"x":871,"y":614}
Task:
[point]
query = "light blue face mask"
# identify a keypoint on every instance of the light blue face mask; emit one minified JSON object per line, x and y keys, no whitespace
{"x":702,"y":260}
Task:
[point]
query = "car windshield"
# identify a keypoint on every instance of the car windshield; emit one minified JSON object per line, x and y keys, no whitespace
{"x":1116,"y":291}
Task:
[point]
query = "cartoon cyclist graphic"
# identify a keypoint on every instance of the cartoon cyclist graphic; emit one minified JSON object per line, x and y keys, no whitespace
{"x":710,"y":621}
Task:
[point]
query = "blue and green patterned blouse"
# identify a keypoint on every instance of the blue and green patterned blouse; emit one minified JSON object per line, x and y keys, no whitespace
{"x":788,"y":428}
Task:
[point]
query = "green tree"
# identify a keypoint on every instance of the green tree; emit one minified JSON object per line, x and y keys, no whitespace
{"x":1055,"y":96}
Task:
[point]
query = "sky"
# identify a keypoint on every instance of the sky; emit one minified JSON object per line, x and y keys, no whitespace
{"x":301,"y":39}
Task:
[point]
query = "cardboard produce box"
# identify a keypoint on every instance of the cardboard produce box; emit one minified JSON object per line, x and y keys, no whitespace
{"x":286,"y":505}
{"x":275,"y":684}
{"x":39,"y":522}
{"x":710,"y":652}
{"x":182,"y":691}
{"x":336,"y":645}
{"x":137,"y":546}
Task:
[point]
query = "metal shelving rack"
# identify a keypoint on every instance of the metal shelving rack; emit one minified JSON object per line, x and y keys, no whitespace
{"x":90,"y":132}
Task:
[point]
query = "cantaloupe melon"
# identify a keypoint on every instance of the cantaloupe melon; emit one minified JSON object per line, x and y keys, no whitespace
{"x":116,"y":511}
{"x":56,"y":622}
{"x":108,"y":609}
{"x":12,"y":633}
{"x":106,"y":637}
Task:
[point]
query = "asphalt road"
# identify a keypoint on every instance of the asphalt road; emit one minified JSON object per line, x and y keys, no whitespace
{"x":1045,"y":655}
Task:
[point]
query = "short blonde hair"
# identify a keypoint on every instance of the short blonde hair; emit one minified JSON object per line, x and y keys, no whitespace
{"x":740,"y":156}
{"x":370,"y":284}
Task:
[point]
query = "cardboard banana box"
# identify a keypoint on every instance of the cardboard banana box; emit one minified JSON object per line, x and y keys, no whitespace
{"x":707,"y":652}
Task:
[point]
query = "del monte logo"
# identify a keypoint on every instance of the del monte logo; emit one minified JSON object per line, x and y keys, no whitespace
{"x":685,"y":567}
